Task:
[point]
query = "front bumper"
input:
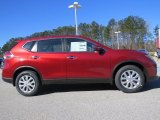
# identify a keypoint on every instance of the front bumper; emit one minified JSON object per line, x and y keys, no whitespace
{"x":151,"y":72}
{"x":8,"y":80}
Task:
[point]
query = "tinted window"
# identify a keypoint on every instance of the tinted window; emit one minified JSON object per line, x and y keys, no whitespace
{"x":29,"y":45}
{"x":78,"y":45}
{"x":52,"y":45}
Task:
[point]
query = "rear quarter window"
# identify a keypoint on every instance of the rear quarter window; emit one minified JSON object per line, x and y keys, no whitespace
{"x":29,"y":45}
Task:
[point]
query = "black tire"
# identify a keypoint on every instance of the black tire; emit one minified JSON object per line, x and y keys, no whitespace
{"x":34,"y":83}
{"x":124,"y":85}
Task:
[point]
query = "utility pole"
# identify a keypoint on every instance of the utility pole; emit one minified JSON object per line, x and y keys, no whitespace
{"x":117,"y":38}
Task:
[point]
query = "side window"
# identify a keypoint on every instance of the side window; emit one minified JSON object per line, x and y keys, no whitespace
{"x":78,"y":45}
{"x":51,"y":45}
{"x":29,"y":45}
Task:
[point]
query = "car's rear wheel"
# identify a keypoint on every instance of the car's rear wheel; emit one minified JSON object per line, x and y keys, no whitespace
{"x":129,"y":79}
{"x":27,"y":83}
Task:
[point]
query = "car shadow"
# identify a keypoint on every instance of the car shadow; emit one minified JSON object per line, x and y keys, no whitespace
{"x":48,"y":89}
{"x":55,"y":88}
{"x":154,"y":84}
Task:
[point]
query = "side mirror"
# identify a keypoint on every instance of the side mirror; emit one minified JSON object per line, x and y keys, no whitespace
{"x":100,"y":50}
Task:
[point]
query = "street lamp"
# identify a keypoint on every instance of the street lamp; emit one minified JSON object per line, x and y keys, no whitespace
{"x":75,"y":6}
{"x":117,"y":37}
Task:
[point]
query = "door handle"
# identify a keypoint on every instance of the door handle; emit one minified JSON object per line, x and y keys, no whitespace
{"x":35,"y":57}
{"x":71,"y":57}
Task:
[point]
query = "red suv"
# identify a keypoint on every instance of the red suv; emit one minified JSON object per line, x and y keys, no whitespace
{"x":74,"y":59}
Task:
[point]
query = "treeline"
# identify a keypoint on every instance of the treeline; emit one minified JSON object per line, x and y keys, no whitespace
{"x":132,"y":29}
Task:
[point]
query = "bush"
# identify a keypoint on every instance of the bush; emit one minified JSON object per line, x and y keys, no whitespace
{"x":151,"y":53}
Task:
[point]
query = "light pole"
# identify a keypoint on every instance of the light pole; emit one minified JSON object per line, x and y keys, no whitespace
{"x":75,"y":6}
{"x":145,"y":40}
{"x":117,"y":37}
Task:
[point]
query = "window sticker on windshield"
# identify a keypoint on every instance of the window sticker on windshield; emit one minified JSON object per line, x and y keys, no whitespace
{"x":78,"y":46}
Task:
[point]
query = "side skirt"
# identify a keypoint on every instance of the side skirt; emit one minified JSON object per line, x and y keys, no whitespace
{"x":76,"y":81}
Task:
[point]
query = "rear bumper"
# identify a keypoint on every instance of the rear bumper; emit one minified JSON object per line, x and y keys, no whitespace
{"x":8,"y":80}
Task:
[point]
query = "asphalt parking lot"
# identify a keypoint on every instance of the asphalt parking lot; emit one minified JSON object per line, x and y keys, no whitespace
{"x":81,"y":102}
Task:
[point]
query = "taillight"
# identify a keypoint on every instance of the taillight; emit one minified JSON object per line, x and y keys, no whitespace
{"x":8,"y":55}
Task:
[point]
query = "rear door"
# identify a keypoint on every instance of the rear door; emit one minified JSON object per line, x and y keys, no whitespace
{"x":49,"y":59}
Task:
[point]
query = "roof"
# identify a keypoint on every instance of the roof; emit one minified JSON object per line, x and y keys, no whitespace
{"x":48,"y":37}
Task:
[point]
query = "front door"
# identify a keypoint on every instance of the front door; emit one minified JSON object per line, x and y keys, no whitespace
{"x":83,"y":62}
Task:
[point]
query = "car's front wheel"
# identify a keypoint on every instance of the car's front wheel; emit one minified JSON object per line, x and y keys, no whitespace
{"x":129,"y":79}
{"x":27,"y":83}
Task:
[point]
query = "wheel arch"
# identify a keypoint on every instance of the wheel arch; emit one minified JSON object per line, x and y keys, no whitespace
{"x":25,"y":68}
{"x":124,"y":63}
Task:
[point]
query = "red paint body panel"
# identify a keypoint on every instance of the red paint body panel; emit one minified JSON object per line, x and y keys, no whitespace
{"x":88,"y":65}
{"x":50,"y":65}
